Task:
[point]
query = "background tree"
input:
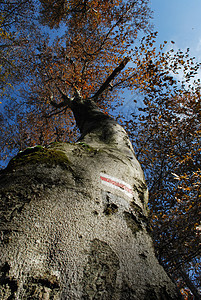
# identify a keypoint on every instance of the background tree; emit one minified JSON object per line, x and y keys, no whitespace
{"x":18,"y":34}
{"x":166,"y":135}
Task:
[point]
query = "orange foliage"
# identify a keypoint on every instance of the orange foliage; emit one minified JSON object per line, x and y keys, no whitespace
{"x":94,"y":39}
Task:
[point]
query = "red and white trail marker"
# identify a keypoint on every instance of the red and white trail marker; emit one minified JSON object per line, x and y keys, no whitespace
{"x":117,"y":184}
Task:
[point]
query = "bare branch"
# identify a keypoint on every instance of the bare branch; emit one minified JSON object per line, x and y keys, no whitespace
{"x":55,"y":112}
{"x":116,"y":71}
{"x":109,"y":32}
{"x":66,"y":100}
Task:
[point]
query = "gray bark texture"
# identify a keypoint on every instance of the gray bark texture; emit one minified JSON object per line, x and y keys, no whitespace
{"x":74,"y":222}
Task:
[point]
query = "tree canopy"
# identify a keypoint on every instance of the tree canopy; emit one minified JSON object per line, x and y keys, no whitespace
{"x":54,"y":49}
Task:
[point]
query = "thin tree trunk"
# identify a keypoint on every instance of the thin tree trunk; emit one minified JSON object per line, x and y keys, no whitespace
{"x":189,"y":283}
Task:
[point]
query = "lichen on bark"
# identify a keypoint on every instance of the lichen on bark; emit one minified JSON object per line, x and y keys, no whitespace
{"x":100,"y":272}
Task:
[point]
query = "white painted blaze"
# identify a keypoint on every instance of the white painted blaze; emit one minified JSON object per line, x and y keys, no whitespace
{"x":117,"y":184}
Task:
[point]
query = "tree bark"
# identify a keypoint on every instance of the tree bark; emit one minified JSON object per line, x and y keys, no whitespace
{"x":74,"y":220}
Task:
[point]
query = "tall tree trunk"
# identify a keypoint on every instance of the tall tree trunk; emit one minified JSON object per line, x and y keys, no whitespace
{"x":74,"y":220}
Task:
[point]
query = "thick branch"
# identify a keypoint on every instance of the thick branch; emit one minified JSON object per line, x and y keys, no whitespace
{"x":86,"y":113}
{"x":116,"y":71}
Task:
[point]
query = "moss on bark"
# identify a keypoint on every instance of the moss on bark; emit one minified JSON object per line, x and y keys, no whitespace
{"x":39,"y":155}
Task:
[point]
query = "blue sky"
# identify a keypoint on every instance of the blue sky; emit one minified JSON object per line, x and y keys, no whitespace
{"x":180,"y":21}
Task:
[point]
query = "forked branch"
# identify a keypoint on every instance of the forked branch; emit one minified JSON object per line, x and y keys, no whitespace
{"x":67,"y":101}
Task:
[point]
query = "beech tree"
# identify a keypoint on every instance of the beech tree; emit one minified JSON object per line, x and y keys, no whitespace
{"x":94,"y":60}
{"x":93,"y":180}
